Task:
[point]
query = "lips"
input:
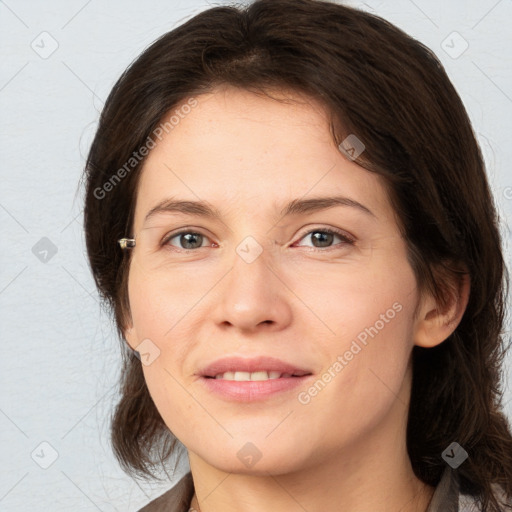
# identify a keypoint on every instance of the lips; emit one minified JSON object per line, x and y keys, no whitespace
{"x":252,"y":365}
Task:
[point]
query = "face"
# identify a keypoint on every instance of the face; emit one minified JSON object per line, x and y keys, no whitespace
{"x":321,"y":286}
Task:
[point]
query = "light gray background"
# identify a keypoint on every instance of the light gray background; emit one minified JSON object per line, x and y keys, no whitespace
{"x":59,"y":354}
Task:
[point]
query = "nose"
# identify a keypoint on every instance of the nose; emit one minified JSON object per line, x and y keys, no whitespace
{"x":254,"y":295}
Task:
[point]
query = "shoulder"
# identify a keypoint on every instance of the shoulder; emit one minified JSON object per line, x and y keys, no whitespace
{"x":469,"y":503}
{"x":176,"y":499}
{"x":448,"y":498}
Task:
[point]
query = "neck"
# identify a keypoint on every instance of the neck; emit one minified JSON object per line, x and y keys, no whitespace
{"x":418,"y":502}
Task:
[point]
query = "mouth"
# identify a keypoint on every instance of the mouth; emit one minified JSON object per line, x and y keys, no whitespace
{"x":241,"y":376}
{"x":255,"y":368}
{"x":247,"y":380}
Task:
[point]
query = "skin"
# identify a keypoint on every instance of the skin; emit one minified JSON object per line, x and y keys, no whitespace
{"x":247,"y":155}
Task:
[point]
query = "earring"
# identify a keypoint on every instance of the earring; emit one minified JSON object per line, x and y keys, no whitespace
{"x":125,"y":243}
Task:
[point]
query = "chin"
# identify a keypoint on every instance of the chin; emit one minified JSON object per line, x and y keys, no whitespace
{"x":248,"y":459}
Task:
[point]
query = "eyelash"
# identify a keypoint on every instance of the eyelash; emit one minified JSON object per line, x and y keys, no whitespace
{"x":346,"y":240}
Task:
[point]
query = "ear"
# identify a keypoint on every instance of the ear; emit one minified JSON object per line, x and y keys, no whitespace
{"x":435,"y":323}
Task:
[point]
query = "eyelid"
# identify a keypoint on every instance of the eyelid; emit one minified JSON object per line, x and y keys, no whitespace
{"x":328,"y":229}
{"x":346,"y":237}
{"x":185,"y":230}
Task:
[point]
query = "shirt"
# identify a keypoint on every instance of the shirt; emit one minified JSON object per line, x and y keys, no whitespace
{"x":446,"y":497}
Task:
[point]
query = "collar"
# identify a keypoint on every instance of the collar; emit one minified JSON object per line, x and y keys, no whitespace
{"x":446,"y":495}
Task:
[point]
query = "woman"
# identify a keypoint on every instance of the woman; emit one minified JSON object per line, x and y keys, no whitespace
{"x":308,"y":275}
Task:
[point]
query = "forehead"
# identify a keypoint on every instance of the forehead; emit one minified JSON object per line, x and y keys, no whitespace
{"x":235,"y":148}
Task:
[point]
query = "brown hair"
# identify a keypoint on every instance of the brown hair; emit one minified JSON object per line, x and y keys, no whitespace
{"x":392,"y":92}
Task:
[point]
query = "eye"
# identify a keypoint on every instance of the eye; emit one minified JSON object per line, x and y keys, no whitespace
{"x":323,"y":238}
{"x":187,"y":240}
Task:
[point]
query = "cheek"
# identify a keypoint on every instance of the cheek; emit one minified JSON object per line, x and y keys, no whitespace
{"x":158,"y":302}
{"x":161,"y":312}
{"x":156,"y":314}
{"x":361,"y":302}
{"x":366,"y":348}
{"x":361,"y":384}
{"x":182,"y":416}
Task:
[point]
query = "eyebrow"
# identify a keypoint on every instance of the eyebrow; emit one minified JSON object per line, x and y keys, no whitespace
{"x":294,"y":207}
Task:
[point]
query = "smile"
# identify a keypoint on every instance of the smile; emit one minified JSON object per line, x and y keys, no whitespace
{"x":246,"y":376}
